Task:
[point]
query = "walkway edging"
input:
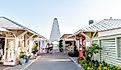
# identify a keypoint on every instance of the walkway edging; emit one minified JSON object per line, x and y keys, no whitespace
{"x":71,"y":58}
{"x":26,"y":65}
{"x":30,"y":63}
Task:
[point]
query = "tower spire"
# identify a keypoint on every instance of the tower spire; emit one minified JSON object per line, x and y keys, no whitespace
{"x":55,"y":32}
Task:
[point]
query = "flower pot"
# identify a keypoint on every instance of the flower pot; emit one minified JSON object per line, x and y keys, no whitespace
{"x":22,"y":61}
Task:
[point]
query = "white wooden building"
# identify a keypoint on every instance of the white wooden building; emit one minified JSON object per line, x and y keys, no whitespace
{"x":14,"y":39}
{"x":66,"y":41}
{"x":106,"y":33}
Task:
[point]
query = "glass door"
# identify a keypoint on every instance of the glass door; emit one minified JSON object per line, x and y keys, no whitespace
{"x":9,"y":58}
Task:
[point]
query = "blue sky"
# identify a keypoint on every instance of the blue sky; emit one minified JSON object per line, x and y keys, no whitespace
{"x":72,"y":15}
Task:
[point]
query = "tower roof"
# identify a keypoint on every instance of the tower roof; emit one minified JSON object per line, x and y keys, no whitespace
{"x":55,"y":32}
{"x":55,"y":18}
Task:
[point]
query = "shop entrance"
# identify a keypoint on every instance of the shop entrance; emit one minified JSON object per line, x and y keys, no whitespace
{"x":2,"y":45}
{"x":9,"y":58}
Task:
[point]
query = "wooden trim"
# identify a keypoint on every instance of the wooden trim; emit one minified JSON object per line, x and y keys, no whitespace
{"x":30,"y":37}
{"x":23,"y":34}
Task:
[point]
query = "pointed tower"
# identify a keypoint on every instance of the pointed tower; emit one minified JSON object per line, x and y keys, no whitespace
{"x":55,"y":32}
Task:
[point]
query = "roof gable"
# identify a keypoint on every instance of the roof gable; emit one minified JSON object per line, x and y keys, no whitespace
{"x":9,"y":24}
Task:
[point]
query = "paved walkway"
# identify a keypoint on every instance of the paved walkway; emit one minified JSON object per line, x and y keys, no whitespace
{"x":21,"y":67}
{"x":2,"y":66}
{"x":54,"y":61}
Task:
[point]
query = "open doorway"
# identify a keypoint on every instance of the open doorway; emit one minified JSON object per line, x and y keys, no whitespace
{"x":2,"y":45}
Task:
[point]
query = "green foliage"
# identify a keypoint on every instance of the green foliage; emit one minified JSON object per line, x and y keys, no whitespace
{"x":89,"y":64}
{"x":79,"y":59}
{"x":90,"y":51}
{"x":60,"y":46}
{"x":73,"y":53}
{"x":105,"y":66}
{"x":23,"y":55}
{"x":34,"y":49}
{"x":95,"y":65}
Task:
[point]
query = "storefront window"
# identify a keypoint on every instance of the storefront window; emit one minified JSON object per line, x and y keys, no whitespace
{"x":10,"y":50}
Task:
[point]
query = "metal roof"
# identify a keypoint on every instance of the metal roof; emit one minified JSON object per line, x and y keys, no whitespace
{"x":105,"y":24}
{"x":9,"y":24}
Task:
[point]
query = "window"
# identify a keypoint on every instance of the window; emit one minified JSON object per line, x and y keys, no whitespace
{"x":119,"y":47}
{"x":108,"y":47}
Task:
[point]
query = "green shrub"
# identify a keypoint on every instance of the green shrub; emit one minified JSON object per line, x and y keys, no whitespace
{"x":22,"y":55}
{"x":34,"y":49}
{"x":90,"y":51}
{"x":73,"y":54}
{"x":61,"y":46}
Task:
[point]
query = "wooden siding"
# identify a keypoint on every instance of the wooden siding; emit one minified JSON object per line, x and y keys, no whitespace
{"x":109,"y":32}
{"x":109,"y":51}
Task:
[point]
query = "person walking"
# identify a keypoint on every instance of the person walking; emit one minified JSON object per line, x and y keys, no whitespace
{"x":47,"y":47}
{"x":51,"y":48}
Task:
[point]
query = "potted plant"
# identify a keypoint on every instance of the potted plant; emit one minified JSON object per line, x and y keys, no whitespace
{"x":34,"y":49}
{"x":23,"y":58}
